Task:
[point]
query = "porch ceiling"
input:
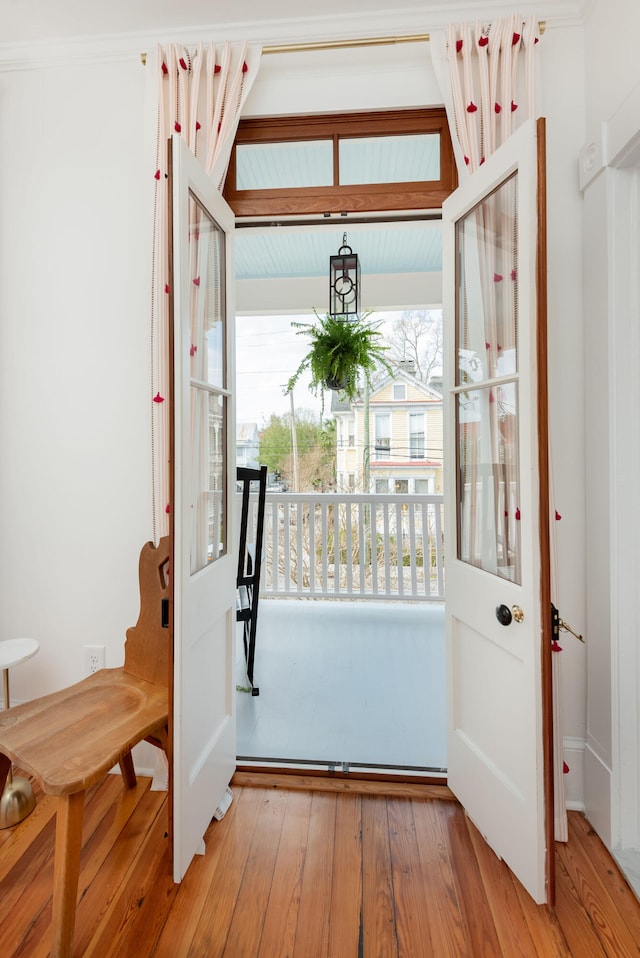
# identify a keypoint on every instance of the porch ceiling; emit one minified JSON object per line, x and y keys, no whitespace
{"x":272,"y":253}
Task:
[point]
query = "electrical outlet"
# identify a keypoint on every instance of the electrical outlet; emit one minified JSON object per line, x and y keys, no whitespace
{"x":93,"y":658}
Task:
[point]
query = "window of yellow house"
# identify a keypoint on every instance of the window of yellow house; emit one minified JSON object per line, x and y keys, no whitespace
{"x":382,"y":444}
{"x":416,"y":435}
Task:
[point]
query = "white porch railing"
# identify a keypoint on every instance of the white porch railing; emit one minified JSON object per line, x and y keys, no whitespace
{"x":353,"y":546}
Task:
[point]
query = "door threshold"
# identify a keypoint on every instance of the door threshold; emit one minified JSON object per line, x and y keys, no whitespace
{"x":328,"y":777}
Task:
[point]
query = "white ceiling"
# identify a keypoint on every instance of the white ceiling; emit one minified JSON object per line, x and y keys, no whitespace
{"x":22,"y":21}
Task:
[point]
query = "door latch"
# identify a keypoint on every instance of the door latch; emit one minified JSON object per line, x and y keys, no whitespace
{"x":557,"y":623}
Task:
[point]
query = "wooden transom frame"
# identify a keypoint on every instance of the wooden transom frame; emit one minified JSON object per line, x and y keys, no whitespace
{"x":369,"y":197}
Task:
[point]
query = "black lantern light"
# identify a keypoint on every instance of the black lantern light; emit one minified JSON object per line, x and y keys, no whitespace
{"x":344,"y":281}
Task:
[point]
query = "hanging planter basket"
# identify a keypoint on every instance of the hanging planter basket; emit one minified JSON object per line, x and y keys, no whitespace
{"x":342,"y":350}
{"x":335,"y":384}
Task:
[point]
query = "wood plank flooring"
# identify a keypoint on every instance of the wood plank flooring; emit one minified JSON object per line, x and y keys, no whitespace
{"x":293,"y":873}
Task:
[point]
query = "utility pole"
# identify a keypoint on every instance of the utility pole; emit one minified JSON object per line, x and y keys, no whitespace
{"x":366,"y":452}
{"x":366,"y":474}
{"x":294,"y":446}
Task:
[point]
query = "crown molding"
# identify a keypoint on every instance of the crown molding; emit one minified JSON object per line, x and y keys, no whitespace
{"x":406,"y":21}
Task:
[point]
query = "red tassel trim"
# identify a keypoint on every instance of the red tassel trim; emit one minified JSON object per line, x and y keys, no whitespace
{"x":158,"y":398}
{"x":177,"y":127}
{"x":482,"y":41}
{"x":198,"y":126}
{"x":487,"y":345}
{"x":167,"y":508}
{"x":182,"y":63}
{"x":514,"y":106}
{"x":166,"y":287}
{"x":193,"y":350}
{"x":515,"y":39}
{"x":165,"y":68}
{"x":217,"y":68}
{"x":558,"y":516}
{"x":565,"y":768}
{"x":517,"y":514}
{"x":472,"y":108}
{"x":157,"y":175}
{"x":497,"y":108}
{"x":514,"y":274}
{"x":497,"y":277}
{"x":555,"y":647}
{"x":244,"y":67}
{"x":458,"y":46}
{"x":196,"y":281}
{"x":467,"y":160}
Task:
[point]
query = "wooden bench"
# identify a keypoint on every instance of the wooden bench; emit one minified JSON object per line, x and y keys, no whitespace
{"x":71,"y":739}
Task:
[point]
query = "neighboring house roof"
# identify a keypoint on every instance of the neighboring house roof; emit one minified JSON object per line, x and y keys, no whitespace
{"x":338,"y":404}
{"x":430,"y":393}
{"x":400,"y":376}
{"x":246,"y":432}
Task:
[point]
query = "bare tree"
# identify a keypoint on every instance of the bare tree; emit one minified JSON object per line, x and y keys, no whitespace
{"x":417,"y":339}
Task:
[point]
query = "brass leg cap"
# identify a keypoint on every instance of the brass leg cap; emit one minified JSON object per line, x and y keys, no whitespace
{"x":17,"y":802}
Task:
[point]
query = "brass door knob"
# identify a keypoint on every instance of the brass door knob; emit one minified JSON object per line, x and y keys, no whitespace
{"x":518,"y":614}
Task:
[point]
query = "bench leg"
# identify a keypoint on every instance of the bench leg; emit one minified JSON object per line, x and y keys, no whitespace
{"x":128,"y":771}
{"x":66,"y":872}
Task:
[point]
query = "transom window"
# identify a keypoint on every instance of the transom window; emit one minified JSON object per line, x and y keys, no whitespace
{"x":351,"y":162}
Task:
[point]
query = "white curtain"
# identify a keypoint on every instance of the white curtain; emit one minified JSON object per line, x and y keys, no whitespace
{"x":201,"y":93}
{"x":486,"y":77}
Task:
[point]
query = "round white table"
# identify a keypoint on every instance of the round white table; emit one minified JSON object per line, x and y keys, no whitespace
{"x":17,"y":799}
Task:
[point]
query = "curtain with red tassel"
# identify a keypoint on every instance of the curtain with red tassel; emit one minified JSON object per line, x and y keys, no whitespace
{"x":201,"y":93}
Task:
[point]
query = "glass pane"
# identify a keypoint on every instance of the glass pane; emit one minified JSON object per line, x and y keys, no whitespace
{"x":487,"y":308}
{"x":207,"y":305}
{"x":389,"y":159}
{"x":270,"y":166}
{"x":208,"y":477}
{"x":489,"y":493}
{"x":487,"y":413}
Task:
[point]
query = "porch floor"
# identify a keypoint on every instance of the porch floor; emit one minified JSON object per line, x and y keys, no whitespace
{"x":345,"y":682}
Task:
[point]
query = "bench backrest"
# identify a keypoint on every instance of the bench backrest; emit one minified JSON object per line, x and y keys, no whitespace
{"x":148,"y":645}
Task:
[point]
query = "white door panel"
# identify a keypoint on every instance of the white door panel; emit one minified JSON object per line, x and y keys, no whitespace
{"x":495,"y":736}
{"x":204,"y":736}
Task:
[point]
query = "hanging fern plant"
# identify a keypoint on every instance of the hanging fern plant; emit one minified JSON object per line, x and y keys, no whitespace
{"x":341,"y":349}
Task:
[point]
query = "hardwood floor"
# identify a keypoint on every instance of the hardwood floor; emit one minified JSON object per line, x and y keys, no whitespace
{"x":322,"y":874}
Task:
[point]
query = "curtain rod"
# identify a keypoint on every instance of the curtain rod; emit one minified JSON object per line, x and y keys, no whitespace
{"x":358,"y":42}
{"x":345,"y":44}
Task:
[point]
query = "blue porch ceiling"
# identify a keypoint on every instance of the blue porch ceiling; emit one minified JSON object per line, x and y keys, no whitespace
{"x":295,"y":252}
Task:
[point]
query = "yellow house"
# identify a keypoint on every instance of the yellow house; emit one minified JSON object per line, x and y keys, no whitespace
{"x":404,"y":448}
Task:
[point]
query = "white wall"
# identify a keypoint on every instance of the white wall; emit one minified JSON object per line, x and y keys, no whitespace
{"x":74,"y":381}
{"x":611,"y":365}
{"x":74,"y":318}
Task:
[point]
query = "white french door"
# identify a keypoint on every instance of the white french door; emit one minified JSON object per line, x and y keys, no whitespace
{"x":204,"y":527}
{"x":495,"y":496}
